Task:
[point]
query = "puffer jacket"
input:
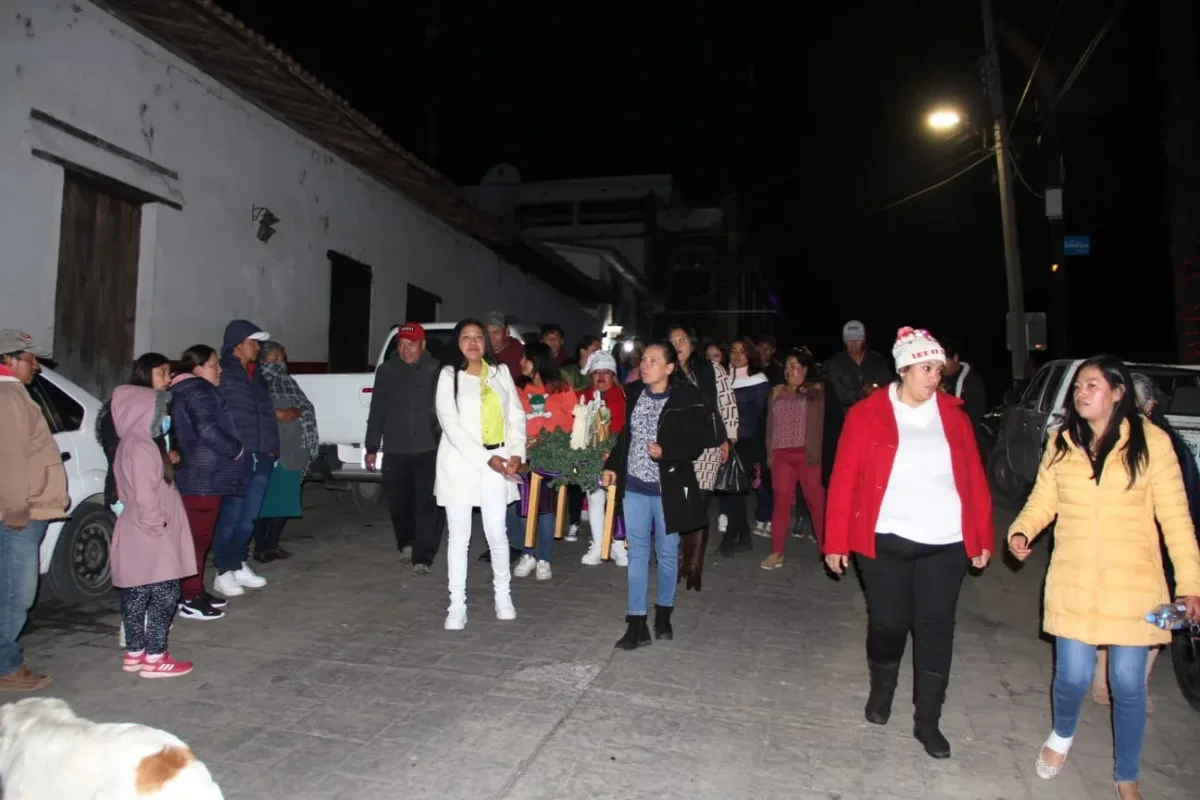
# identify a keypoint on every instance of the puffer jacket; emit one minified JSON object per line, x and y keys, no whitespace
{"x":247,"y":396}
{"x":213,"y":461}
{"x":1107,"y":568}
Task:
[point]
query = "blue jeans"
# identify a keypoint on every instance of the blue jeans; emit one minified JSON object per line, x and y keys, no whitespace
{"x":18,"y":588}
{"x":643,"y":517}
{"x":1073,"y":670}
{"x":516,"y":533}
{"x":235,"y":525}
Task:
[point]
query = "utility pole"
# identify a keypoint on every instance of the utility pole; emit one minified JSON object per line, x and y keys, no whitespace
{"x":1008,"y":218}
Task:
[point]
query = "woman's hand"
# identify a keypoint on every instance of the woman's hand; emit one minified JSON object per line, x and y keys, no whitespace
{"x":1018,"y":545}
{"x":608,"y":478}
{"x":725,"y":452}
{"x":287,"y":414}
{"x":655,"y":450}
{"x":837,"y":563}
{"x":1193,"y":608}
{"x":173,"y":457}
{"x":981,"y":561}
{"x":498,"y":464}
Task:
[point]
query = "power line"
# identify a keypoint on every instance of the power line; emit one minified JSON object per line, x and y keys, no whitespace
{"x":1105,"y":26}
{"x":986,"y":157}
{"x":1037,"y":63}
{"x":1016,"y":169}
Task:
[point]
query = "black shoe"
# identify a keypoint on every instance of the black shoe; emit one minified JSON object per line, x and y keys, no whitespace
{"x":266,"y":556}
{"x":662,"y":623}
{"x":728,"y":544}
{"x":636,"y":635}
{"x":420,"y":569}
{"x":745,"y":541}
{"x":213,"y":600}
{"x":929,"y":695}
{"x":884,"y":676}
{"x":199,"y":610}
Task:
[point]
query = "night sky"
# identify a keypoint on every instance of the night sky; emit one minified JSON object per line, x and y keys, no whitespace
{"x":815,"y":120}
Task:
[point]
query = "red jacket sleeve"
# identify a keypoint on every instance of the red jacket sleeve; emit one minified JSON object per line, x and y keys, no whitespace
{"x":615,"y":400}
{"x":843,"y":483}
{"x":979,"y":495}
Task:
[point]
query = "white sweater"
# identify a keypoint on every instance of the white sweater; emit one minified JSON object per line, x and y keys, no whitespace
{"x":461,"y":456}
{"x":921,"y":502}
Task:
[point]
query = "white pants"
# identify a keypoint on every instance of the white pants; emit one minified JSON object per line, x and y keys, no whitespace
{"x":494,"y":505}
{"x":596,"y":503}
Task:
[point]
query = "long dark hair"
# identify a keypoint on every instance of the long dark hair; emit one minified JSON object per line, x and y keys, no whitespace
{"x":545,"y":367}
{"x":697,"y":352}
{"x":143,"y":369}
{"x":671,"y":357}
{"x":195,"y":356}
{"x":753,"y":360}
{"x":455,"y":357}
{"x":1137,"y":456}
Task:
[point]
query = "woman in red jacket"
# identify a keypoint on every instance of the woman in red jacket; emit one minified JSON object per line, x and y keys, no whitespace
{"x":909,"y":496}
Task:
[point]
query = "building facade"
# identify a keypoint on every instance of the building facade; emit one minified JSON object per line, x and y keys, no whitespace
{"x":164,"y":170}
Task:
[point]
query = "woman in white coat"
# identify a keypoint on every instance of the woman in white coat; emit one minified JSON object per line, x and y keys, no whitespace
{"x":482,"y":446}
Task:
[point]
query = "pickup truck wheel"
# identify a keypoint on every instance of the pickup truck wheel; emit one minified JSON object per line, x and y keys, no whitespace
{"x":366,"y":494}
{"x":1008,"y":488}
{"x":79,"y":568}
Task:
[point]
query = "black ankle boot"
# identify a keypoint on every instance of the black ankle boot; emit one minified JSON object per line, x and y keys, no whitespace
{"x":884,"y":676}
{"x":929,"y":695}
{"x":728,"y":544}
{"x":636,"y":635}
{"x":745,"y":541}
{"x":662,"y":623}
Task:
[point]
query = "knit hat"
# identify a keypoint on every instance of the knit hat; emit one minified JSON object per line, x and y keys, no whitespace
{"x":854,"y":331}
{"x":914,"y":346}
{"x":600,"y":360}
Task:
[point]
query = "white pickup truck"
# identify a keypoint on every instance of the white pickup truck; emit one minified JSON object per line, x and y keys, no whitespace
{"x":1013,"y":462}
{"x":342,"y":402}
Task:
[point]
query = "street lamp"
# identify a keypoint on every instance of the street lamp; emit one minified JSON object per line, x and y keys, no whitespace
{"x":944,"y":119}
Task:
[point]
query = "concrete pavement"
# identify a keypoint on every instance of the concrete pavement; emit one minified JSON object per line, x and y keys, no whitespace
{"x":337,"y":681}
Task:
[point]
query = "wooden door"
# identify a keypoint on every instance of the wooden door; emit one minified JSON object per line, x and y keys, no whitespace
{"x":95,"y":302}
{"x":349,"y":314}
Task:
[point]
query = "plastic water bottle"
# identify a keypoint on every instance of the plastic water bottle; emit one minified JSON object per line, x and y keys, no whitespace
{"x":1168,"y":616}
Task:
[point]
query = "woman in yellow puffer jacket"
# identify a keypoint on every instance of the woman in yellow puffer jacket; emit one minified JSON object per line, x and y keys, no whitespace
{"x":1107,"y":476}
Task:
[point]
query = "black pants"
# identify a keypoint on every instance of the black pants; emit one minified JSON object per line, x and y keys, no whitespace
{"x":912,"y":587}
{"x":574,"y":503}
{"x":267,"y":533}
{"x":408,"y":486}
{"x":146,"y":613}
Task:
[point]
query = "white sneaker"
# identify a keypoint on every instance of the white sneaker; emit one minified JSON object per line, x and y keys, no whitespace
{"x":227,"y":585}
{"x":504,"y":607}
{"x":525,"y":566}
{"x":572,"y":534}
{"x":620,"y":555}
{"x":543,"y":571}
{"x":722,"y":523}
{"x":456,"y":618}
{"x":762,"y":529}
{"x":249,"y":578}
{"x":592,"y":557}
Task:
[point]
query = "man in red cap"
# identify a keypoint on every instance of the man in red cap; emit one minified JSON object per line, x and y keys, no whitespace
{"x":402,"y":431}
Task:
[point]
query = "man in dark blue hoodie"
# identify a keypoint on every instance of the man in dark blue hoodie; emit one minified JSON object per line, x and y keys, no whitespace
{"x":254,"y":415}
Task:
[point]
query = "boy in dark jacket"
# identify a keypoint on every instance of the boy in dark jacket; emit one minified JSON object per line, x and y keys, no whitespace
{"x":249,"y":403}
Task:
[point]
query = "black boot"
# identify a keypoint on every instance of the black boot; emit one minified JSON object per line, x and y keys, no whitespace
{"x":745,"y":540}
{"x":929,"y":695}
{"x":662,"y":623}
{"x":695,"y":566}
{"x":636,"y":635}
{"x":884,"y":676}
{"x":729,"y":540}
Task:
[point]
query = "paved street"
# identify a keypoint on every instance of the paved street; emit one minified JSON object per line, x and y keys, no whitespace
{"x":337,"y":681}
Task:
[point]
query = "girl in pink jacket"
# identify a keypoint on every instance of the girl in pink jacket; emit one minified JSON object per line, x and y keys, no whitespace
{"x":152,"y":543}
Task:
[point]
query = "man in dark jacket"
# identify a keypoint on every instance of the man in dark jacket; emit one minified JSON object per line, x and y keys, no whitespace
{"x":856,"y":371}
{"x":964,"y":382}
{"x":402,"y":417}
{"x":249,"y":403}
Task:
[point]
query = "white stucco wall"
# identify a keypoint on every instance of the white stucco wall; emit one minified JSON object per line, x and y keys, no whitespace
{"x":202,"y":265}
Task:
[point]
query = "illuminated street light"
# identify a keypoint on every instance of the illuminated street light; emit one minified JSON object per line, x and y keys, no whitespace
{"x":944,"y":119}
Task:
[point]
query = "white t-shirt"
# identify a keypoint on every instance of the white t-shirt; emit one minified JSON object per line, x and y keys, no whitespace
{"x":921,"y":502}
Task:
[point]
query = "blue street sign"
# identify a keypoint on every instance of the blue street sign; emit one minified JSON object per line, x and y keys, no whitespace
{"x":1077,"y":245}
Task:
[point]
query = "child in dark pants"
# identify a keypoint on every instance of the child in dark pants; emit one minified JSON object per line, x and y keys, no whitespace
{"x":152,"y":544}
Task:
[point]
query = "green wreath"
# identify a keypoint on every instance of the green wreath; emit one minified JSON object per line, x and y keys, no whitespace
{"x":551,"y":452}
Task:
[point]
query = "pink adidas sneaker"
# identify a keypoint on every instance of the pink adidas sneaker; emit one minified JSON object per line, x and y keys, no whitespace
{"x":165,"y":667}
{"x":132,"y":662}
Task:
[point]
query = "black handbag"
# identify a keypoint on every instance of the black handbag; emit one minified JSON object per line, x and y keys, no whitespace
{"x":731,"y":475}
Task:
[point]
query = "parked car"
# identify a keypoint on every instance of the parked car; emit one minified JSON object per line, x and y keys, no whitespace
{"x":1013,"y":463}
{"x":74,"y":554}
{"x":342,"y":402}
